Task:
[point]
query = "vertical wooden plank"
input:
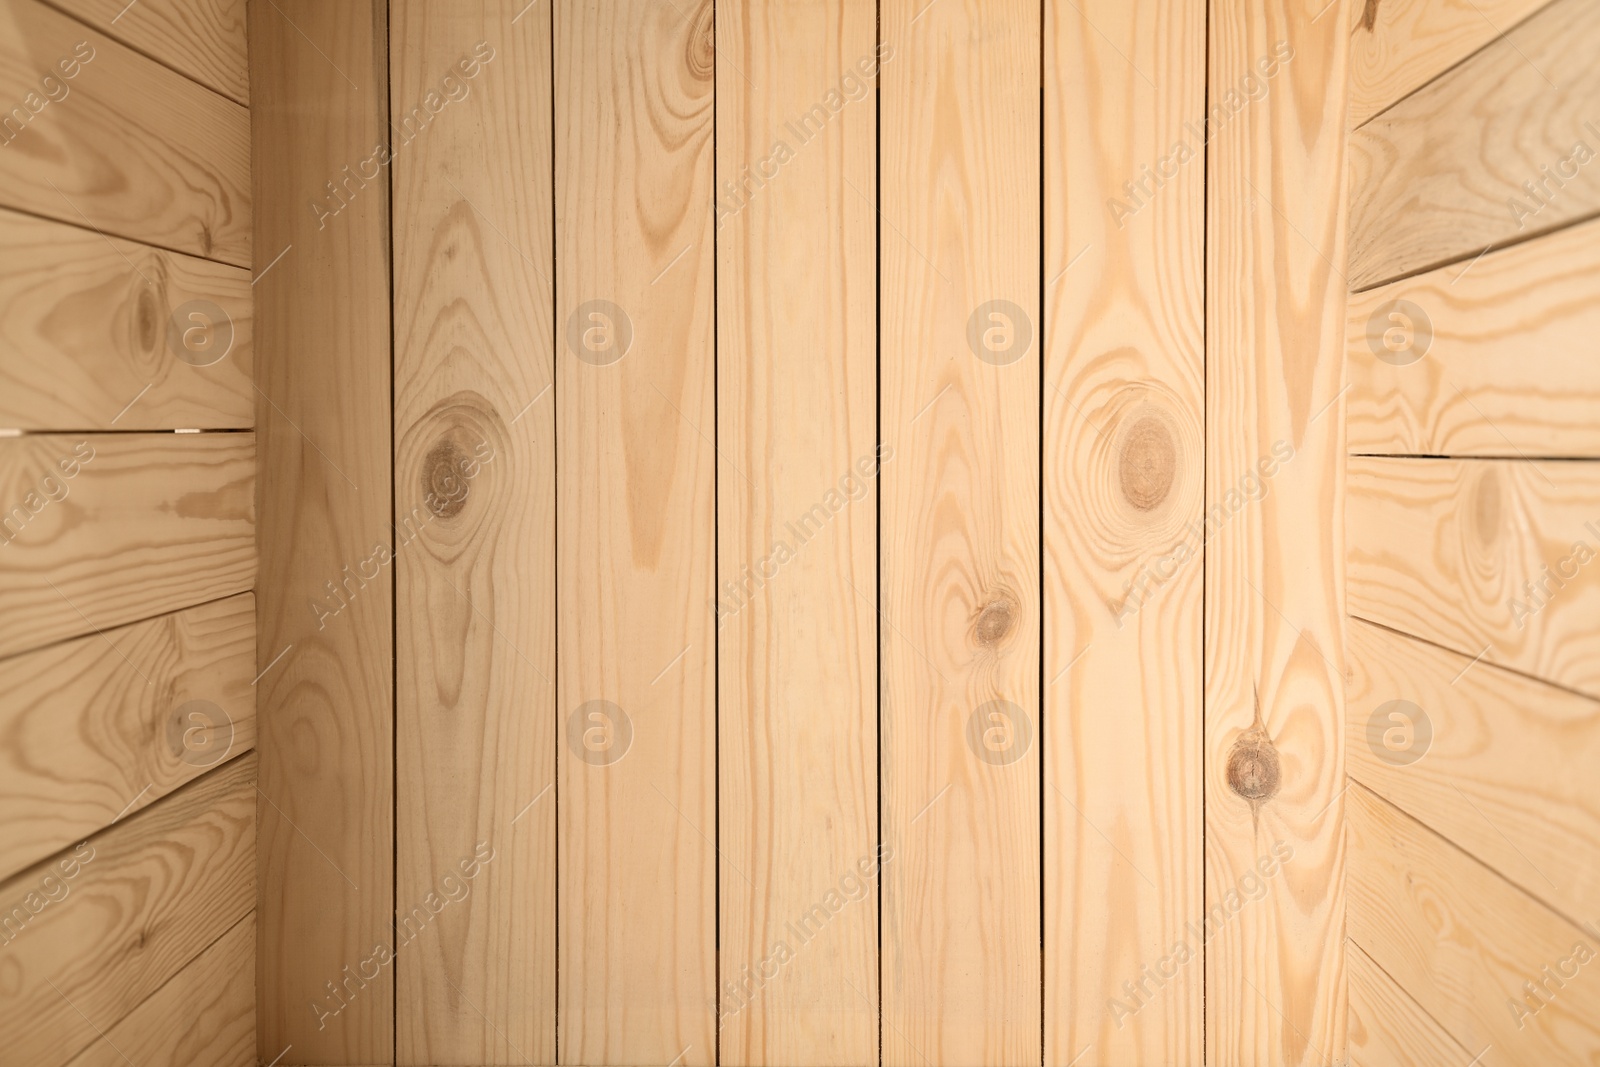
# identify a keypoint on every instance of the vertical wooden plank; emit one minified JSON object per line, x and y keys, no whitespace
{"x":325,"y":596}
{"x":1124,"y":542}
{"x":1275,"y":303}
{"x":474,"y":498}
{"x":960,"y":257}
{"x":635,"y":530}
{"x":797,"y":519}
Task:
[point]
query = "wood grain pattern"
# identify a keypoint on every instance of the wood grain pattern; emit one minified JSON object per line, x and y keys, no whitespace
{"x":1500,"y":149}
{"x":1387,"y":1027}
{"x":204,"y":39}
{"x":204,"y":1015}
{"x":1123,"y":488}
{"x":1497,"y":364}
{"x":959,"y":543}
{"x":475,"y":493}
{"x":1463,"y":942}
{"x":325,"y":701}
{"x":86,"y":334}
{"x":1275,"y":310}
{"x":98,"y":727}
{"x":635,"y":528}
{"x":100,"y":136}
{"x":1398,"y":46}
{"x":122,"y":913}
{"x":1487,"y":557}
{"x":796,"y":586}
{"x":101,"y":530}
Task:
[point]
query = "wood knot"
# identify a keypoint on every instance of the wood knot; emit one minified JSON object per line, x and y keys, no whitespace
{"x":1149,"y":462}
{"x":1369,"y":16}
{"x":1486,"y":506}
{"x":701,"y":48}
{"x":997,"y":619}
{"x":445,"y":484}
{"x":1253,"y":769}
{"x":149,"y":324}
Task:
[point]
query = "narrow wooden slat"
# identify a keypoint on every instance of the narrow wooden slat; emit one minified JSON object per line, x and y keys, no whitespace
{"x":205,"y":1014}
{"x":1493,"y":361}
{"x":102,"y":530}
{"x":103,"y":725}
{"x":1500,"y":149}
{"x":475,"y":492}
{"x":93,"y":931}
{"x":100,"y":136}
{"x":1274,"y":737}
{"x":1492,"y":965}
{"x":325,"y":605}
{"x":635,"y":528}
{"x":1398,"y":46}
{"x":204,"y":39}
{"x":959,"y":555}
{"x":1387,"y":1027}
{"x":1123,"y":489}
{"x":1492,"y":558}
{"x":796,"y":583}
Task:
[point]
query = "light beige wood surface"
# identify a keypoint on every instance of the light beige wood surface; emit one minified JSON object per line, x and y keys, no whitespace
{"x":131,"y":907}
{"x":1387,"y":1027}
{"x":1439,"y":177}
{"x":325,"y":697}
{"x":96,"y":333}
{"x":1274,"y":759}
{"x":101,"y":726}
{"x":635,"y":522}
{"x":475,"y":497}
{"x":1124,"y":479}
{"x":204,"y":39}
{"x":1491,"y":360}
{"x":797,"y":529}
{"x":112,"y":140}
{"x":959,"y":541}
{"x":101,"y":530}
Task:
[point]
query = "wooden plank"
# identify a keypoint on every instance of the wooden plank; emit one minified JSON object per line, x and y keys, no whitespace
{"x":204,"y":1014}
{"x":636,"y":520}
{"x":1492,"y":558}
{"x":475,"y":492}
{"x":1495,"y":151}
{"x":96,"y":334}
{"x":101,"y":726}
{"x":1490,"y":362}
{"x":1274,"y":737}
{"x":1123,"y":481}
{"x":325,"y":605}
{"x":1492,"y":965}
{"x":797,"y":380}
{"x":1387,"y":1027}
{"x":204,"y":39}
{"x":93,"y":931}
{"x":959,"y":556}
{"x":101,"y":530}
{"x":1398,"y":46}
{"x":100,"y":136}
{"x":1497,"y":766}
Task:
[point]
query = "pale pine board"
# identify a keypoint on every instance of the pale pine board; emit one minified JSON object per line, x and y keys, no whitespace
{"x":1431,"y":179}
{"x":325,"y":699}
{"x":85,"y":342}
{"x":1275,"y":310}
{"x":635,"y":529}
{"x":150,"y":523}
{"x":797,"y":379}
{"x":1444,"y":549}
{"x":475,"y":593}
{"x":1123,"y":481}
{"x":1509,"y":370}
{"x":204,"y":39}
{"x":1387,"y":1027}
{"x":133,"y":148}
{"x":100,"y":726}
{"x":959,"y":542}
